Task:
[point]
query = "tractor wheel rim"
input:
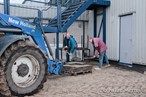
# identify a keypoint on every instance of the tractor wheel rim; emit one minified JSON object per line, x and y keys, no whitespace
{"x":25,"y":70}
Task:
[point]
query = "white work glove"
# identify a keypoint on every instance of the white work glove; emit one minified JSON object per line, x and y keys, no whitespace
{"x":65,"y":47}
{"x":70,"y":54}
{"x":94,"y":56}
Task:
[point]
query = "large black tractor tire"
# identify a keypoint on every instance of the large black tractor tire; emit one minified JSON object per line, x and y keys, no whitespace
{"x":23,"y":69}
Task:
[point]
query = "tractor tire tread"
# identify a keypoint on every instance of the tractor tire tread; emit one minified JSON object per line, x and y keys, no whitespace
{"x":5,"y":91}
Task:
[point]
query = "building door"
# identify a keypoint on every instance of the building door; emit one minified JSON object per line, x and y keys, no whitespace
{"x":126,"y":39}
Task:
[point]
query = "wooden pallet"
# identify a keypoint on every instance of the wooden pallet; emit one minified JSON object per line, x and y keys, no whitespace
{"x":76,"y":69}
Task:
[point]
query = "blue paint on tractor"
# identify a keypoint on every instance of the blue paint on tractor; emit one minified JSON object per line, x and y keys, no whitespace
{"x":28,"y":29}
{"x":55,"y":68}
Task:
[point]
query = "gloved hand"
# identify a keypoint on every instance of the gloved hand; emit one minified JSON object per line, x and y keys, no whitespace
{"x":70,"y":54}
{"x":93,"y":56}
{"x":65,"y":48}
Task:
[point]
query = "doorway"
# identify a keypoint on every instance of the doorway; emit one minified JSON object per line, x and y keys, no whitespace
{"x":126,"y":39}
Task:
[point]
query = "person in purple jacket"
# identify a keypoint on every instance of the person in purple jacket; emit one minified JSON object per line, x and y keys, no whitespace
{"x":99,"y":48}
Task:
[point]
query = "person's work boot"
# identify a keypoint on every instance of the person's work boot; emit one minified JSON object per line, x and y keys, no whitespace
{"x":108,"y":65}
{"x":97,"y":68}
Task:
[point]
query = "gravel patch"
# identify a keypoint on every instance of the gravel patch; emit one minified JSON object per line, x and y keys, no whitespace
{"x":113,"y":81}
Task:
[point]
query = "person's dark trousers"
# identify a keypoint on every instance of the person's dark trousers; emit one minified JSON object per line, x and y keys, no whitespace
{"x":67,"y":57}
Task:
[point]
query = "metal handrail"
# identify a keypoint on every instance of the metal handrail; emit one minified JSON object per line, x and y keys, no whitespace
{"x":61,"y":12}
{"x":54,"y":2}
{"x":66,"y":4}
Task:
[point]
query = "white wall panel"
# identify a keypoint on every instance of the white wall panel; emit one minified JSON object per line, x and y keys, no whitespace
{"x":1,"y":8}
{"x":121,"y":7}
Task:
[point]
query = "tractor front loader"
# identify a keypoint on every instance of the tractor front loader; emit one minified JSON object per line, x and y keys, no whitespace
{"x":24,"y":56}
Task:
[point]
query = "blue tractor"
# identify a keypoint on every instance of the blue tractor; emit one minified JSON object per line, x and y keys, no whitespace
{"x":24,"y":56}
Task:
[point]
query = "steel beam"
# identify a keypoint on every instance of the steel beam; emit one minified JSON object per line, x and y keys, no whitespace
{"x":58,"y":28}
{"x":7,"y":7}
{"x":104,"y":24}
{"x":95,"y":22}
{"x":83,"y":34}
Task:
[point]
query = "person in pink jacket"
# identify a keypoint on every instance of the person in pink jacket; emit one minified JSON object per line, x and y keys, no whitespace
{"x":99,"y":48}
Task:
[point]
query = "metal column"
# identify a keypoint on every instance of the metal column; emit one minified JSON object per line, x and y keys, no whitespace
{"x":95,"y":22}
{"x":7,"y":7}
{"x":83,"y":40}
{"x":83,"y":34}
{"x":104,"y":24}
{"x":59,"y":27}
{"x":40,"y":14}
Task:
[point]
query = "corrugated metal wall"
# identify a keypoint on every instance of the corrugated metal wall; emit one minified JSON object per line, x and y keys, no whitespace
{"x":121,"y":7}
{"x":1,"y":8}
{"x":16,"y":10}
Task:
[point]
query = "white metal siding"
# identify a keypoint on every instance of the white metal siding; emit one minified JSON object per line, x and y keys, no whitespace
{"x":1,"y":8}
{"x":121,"y":7}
